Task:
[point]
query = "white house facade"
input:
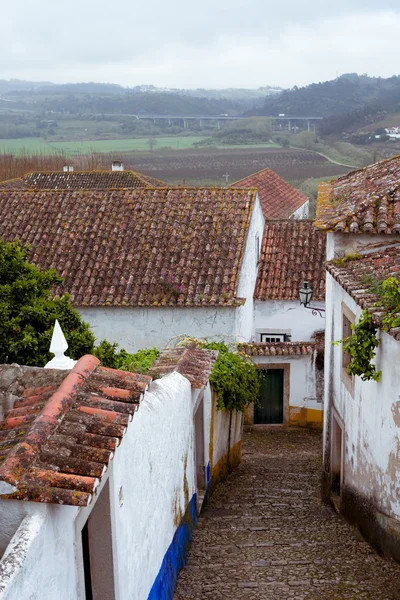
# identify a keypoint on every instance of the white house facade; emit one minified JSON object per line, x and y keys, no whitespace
{"x":146,"y":265}
{"x":361,"y":424}
{"x":287,"y":336}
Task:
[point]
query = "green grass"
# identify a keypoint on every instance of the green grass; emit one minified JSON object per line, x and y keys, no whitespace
{"x":32,"y":145}
{"x":83,"y":147}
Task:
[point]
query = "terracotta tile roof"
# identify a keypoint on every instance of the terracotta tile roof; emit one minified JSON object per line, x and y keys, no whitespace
{"x":13,"y":184}
{"x":152,"y":181}
{"x":357,"y":277}
{"x":57,"y":440}
{"x":85,"y":180}
{"x":279,"y":199}
{"x":193,"y":363}
{"x":277,"y":348}
{"x":292,"y":252}
{"x":364,"y":201}
{"x":135,"y":247}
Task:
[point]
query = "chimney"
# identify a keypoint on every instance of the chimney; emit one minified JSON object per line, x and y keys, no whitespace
{"x":117,"y":165}
{"x":68,"y":168}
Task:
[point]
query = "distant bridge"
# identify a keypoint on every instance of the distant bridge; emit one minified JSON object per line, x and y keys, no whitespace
{"x":218,"y":118}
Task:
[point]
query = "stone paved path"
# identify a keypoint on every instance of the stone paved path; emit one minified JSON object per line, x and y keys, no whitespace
{"x":266,"y":535}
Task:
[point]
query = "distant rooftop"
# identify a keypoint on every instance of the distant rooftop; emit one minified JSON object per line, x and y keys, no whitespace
{"x":363,"y":201}
{"x":279,"y":199}
{"x":82,"y":180}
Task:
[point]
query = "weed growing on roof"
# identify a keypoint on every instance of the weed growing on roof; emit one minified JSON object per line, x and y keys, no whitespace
{"x":235,"y":379}
{"x":388,"y":292}
{"x":347,"y":258}
{"x":139,"y":362}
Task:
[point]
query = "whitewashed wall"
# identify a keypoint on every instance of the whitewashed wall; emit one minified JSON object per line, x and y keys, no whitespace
{"x":248,"y":275}
{"x":302,"y":212}
{"x":371,"y":416}
{"x":227,"y":432}
{"x":135,"y":328}
{"x":287,"y":314}
{"x":155,"y":468}
{"x":340,"y":244}
{"x":40,"y":560}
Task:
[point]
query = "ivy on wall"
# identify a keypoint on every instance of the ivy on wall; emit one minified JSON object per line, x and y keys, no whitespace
{"x":362,"y":343}
{"x":235,"y":379}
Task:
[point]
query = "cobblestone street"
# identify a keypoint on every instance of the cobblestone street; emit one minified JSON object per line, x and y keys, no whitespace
{"x":266,"y":535}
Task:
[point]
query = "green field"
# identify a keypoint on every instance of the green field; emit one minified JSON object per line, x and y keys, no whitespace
{"x":33,"y":145}
{"x":37,"y":145}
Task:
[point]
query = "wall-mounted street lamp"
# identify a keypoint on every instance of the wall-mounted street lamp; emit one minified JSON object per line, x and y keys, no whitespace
{"x":305,"y":296}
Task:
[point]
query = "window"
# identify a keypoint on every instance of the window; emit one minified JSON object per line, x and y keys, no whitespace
{"x":348,"y":318}
{"x":271,"y":336}
{"x":257,"y":240}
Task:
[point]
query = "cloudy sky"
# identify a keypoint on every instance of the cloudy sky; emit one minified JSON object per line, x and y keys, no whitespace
{"x":212,"y":43}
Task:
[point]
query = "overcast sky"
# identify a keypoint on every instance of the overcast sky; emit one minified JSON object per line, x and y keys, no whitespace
{"x":212,"y":43}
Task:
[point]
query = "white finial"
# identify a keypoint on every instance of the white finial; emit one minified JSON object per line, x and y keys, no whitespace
{"x":58,"y":346}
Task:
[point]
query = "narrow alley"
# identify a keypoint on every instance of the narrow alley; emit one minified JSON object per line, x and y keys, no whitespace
{"x":266,"y":534}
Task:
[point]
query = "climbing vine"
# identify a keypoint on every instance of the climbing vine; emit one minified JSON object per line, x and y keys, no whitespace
{"x":362,"y":343}
{"x":235,"y":379}
{"x":361,"y":347}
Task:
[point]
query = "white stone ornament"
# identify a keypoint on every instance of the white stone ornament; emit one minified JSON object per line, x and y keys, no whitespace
{"x":58,"y":346}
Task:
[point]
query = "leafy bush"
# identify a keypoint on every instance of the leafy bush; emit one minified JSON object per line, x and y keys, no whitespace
{"x":28,"y":311}
{"x":139,"y":362}
{"x":235,"y":379}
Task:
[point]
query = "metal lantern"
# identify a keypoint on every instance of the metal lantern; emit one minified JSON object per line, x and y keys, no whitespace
{"x":305,"y":294}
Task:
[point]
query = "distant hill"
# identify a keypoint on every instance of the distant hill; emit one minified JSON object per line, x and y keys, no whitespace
{"x":113,"y":98}
{"x":347,"y":93}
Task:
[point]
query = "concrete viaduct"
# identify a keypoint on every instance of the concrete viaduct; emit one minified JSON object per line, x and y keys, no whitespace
{"x":200,"y":119}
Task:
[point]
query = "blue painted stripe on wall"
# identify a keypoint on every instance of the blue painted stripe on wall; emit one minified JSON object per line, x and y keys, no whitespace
{"x":175,"y":557}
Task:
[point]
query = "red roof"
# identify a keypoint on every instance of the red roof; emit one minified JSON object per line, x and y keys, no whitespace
{"x":277,"y":348}
{"x":279,"y":199}
{"x":292,"y":252}
{"x":58,"y":439}
{"x":193,"y":363}
{"x":141,"y":247}
{"x":85,"y":180}
{"x":358,"y":277}
{"x":363,"y":201}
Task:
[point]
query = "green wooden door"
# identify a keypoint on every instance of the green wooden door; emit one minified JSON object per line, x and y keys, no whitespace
{"x":270,"y":411}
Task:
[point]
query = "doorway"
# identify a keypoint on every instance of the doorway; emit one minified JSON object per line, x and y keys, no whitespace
{"x":336,"y":457}
{"x":270,"y":410}
{"x":97,"y":550}
{"x":200,"y":453}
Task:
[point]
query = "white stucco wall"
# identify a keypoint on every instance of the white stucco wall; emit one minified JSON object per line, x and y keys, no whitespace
{"x":222,"y":439}
{"x":151,"y":482}
{"x":302,"y":378}
{"x":273,"y":315}
{"x":135,"y":328}
{"x":340,"y":244}
{"x":248,"y":274}
{"x":302,"y":212}
{"x":155,"y":467}
{"x":371,"y":416}
{"x":40,"y":560}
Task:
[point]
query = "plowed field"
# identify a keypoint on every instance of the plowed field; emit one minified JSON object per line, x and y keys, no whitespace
{"x":210,"y":166}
